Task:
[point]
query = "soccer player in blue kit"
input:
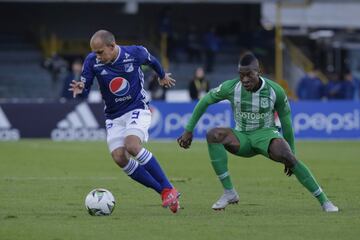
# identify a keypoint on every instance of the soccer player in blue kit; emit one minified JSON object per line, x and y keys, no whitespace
{"x":121,"y":80}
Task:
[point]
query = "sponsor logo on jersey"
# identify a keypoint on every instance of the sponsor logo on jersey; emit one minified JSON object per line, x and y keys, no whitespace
{"x":121,"y":99}
{"x":217,"y":89}
{"x":103,"y":72}
{"x":119,"y":86}
{"x":128,"y":60}
{"x":276,"y":132}
{"x":264,"y":102}
{"x":7,"y":133}
{"x":79,"y":124}
{"x":129,"y":67}
{"x":98,"y":63}
{"x":252,"y":115}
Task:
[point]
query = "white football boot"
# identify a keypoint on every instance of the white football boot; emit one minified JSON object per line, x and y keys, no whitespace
{"x":329,"y":207}
{"x":229,"y":197}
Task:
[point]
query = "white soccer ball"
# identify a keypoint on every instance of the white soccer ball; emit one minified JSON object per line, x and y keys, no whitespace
{"x":100,"y":202}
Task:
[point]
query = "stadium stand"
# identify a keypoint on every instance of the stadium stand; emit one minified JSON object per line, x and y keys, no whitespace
{"x":21,"y":74}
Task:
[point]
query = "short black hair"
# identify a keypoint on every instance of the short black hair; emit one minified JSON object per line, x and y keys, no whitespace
{"x":247,"y":62}
{"x":247,"y":59}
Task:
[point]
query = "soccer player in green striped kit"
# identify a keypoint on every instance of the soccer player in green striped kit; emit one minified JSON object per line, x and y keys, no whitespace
{"x":254,"y":100}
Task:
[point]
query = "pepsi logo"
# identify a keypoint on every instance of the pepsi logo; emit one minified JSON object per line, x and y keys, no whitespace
{"x":119,"y":86}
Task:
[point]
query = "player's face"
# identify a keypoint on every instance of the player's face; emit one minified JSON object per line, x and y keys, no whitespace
{"x":249,"y":79}
{"x":104,"y":53}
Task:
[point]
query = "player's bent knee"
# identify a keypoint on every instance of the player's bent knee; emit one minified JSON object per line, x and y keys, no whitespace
{"x":133,"y":148}
{"x":133,"y":144}
{"x":213,"y":136}
{"x":119,"y":158}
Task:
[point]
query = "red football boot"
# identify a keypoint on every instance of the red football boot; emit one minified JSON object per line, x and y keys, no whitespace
{"x":169,"y":198}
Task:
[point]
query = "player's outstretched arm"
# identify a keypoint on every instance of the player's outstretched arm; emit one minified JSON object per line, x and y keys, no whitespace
{"x":167,"y":81}
{"x":185,"y":139}
{"x":283,"y":109}
{"x":211,"y":97}
{"x":288,"y":132}
{"x":76,"y":87}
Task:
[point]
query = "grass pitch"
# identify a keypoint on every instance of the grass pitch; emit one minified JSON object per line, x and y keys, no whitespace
{"x":43,"y":185}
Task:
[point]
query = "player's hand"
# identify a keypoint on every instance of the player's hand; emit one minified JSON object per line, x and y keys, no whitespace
{"x":76,"y":87}
{"x":167,"y":81}
{"x":185,"y":139}
{"x":287,"y":171}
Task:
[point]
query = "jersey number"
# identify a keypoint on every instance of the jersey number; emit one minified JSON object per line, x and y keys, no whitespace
{"x":135,"y":115}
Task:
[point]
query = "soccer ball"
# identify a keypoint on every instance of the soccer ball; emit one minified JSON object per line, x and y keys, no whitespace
{"x":100,"y":202}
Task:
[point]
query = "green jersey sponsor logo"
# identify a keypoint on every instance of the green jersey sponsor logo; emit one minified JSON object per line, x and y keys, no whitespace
{"x":253,"y":115}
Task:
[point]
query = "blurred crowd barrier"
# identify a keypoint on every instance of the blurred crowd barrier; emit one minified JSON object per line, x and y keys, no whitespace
{"x":82,"y":121}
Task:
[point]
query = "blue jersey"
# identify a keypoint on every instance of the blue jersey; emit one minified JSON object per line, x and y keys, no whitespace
{"x":121,"y":82}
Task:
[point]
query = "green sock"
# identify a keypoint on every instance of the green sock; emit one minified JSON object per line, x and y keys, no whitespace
{"x":218,"y":157}
{"x":305,"y":177}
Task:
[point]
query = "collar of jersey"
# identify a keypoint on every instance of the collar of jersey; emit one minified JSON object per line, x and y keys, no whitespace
{"x":117,"y":57}
{"x":262,"y":84}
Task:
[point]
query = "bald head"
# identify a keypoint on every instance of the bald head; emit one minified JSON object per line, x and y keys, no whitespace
{"x":103,"y":44}
{"x":103,"y":37}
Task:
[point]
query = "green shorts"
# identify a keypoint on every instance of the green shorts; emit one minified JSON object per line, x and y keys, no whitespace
{"x":256,"y":142}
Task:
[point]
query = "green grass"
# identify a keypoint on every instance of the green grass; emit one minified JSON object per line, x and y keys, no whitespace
{"x":43,"y":185}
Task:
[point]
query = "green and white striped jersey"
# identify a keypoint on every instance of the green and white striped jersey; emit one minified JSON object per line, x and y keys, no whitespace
{"x":252,"y":110}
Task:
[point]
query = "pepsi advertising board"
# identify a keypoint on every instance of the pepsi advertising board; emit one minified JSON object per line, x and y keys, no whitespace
{"x":83,"y":121}
{"x":311,"y":120}
{"x":169,"y":120}
{"x":326,"y":120}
